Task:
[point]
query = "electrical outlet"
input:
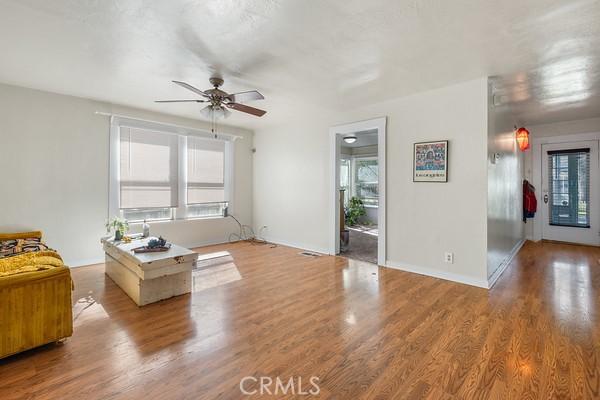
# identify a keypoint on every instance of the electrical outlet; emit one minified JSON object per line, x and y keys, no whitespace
{"x":449,"y":258}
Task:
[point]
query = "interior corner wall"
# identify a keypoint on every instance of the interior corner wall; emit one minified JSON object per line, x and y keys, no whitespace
{"x":505,"y":231}
{"x":54,"y":159}
{"x":424,"y":220}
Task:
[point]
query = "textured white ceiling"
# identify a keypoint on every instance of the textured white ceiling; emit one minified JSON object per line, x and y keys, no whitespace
{"x":545,"y":54}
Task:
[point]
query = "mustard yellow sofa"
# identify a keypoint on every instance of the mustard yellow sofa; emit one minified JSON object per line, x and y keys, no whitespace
{"x":35,"y":295}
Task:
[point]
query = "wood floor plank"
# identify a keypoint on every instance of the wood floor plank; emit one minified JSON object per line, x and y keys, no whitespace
{"x":365,"y":331}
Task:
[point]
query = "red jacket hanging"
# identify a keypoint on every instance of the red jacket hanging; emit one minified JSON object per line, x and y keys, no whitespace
{"x":529,"y":201}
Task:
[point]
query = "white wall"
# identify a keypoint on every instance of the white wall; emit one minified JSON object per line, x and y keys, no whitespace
{"x":54,"y":160}
{"x":292,"y":184}
{"x":505,"y":190}
{"x":549,"y":130}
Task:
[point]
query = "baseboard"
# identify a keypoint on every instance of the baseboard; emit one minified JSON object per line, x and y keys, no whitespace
{"x":85,"y":262}
{"x":203,"y":243}
{"x":505,"y":263}
{"x":435,"y":273}
{"x":295,"y":245}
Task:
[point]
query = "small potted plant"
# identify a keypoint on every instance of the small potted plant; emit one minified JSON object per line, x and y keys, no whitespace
{"x":354,"y":211}
{"x":119,"y":225}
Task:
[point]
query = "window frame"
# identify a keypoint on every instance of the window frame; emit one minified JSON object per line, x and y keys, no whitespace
{"x":352,"y":184}
{"x":181,"y":212}
{"x":348,"y":189}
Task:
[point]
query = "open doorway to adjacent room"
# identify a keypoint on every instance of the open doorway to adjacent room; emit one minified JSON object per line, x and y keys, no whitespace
{"x":358,"y":192}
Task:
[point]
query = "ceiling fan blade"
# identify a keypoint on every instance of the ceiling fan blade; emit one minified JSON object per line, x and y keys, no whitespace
{"x":246,"y":109}
{"x":179,"y":101}
{"x":190,"y":87}
{"x":243,"y":97}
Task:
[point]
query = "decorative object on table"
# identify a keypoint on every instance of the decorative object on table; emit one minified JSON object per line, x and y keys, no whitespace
{"x":145,"y":229}
{"x":431,"y":162}
{"x":154,"y":245}
{"x":354,"y":211}
{"x":119,"y":225}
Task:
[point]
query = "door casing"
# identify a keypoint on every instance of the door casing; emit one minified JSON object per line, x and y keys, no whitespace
{"x":534,"y":172}
{"x":589,"y":236}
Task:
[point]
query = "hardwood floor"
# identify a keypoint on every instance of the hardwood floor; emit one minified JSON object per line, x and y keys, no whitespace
{"x":364,"y":331}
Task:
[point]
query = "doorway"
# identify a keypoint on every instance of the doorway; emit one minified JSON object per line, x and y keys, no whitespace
{"x":570,"y":196}
{"x":358,"y":190}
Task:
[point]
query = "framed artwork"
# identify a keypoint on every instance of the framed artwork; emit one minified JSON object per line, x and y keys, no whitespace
{"x":431,"y":162}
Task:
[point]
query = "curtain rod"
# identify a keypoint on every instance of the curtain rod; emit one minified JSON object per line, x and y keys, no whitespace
{"x":206,"y":132}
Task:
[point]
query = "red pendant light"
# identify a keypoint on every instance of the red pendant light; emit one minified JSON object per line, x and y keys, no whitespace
{"x":522,"y":136}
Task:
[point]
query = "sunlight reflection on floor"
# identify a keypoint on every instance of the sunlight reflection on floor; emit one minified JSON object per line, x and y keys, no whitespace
{"x":86,"y":309}
{"x":214,"y":269}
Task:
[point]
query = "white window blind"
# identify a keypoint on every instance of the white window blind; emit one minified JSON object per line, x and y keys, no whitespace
{"x":206,"y":171}
{"x":148,"y":174}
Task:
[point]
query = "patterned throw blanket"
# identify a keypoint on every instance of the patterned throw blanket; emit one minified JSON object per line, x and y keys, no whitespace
{"x":29,"y":262}
{"x":19,"y":245}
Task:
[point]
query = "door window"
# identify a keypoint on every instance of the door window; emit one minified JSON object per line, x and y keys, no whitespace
{"x":569,"y":184}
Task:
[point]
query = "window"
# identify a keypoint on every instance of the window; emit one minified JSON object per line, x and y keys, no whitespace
{"x":366,"y":180}
{"x":206,"y":171}
{"x":569,"y":187}
{"x":359,"y":176}
{"x":345,"y":179}
{"x":163,"y":172}
{"x":205,"y":189}
{"x":148,"y":214}
{"x":148,"y":173}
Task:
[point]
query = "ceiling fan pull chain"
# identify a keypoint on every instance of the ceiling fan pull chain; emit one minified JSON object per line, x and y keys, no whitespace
{"x":214,"y":124}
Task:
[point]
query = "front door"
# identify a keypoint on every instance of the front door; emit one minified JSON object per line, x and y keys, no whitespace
{"x":570,"y":197}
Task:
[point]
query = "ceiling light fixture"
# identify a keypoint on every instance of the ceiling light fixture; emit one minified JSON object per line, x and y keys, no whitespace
{"x":350,"y":139}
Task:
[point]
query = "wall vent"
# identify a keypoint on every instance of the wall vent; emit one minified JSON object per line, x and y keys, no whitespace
{"x":309,"y":254}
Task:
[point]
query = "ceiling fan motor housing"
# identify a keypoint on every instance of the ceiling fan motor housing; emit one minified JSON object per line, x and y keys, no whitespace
{"x":216,"y":81}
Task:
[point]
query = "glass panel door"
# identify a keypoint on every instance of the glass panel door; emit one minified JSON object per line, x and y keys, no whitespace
{"x":570,"y":201}
{"x":569,"y":187}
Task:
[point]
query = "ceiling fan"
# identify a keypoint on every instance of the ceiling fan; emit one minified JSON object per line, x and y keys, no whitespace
{"x":219,"y":101}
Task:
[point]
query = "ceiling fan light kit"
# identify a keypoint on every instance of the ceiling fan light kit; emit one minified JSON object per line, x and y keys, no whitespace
{"x":220,"y":101}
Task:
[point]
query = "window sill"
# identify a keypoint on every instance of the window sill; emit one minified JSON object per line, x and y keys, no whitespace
{"x":167,"y":221}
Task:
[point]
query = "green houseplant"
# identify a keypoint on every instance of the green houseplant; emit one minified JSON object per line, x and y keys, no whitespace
{"x":354,"y":211}
{"x":119,"y":225}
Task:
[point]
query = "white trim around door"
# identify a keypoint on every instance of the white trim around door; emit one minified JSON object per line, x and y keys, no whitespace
{"x":538,"y":159}
{"x":335,"y":138}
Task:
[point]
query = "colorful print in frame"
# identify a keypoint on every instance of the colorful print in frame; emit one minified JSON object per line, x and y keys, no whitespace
{"x":431,"y":162}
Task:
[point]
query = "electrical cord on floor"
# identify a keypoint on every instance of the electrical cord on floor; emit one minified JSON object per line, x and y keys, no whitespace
{"x":246,"y":234}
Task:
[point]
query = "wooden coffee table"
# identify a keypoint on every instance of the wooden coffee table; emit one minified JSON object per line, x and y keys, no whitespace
{"x":149,"y":277}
